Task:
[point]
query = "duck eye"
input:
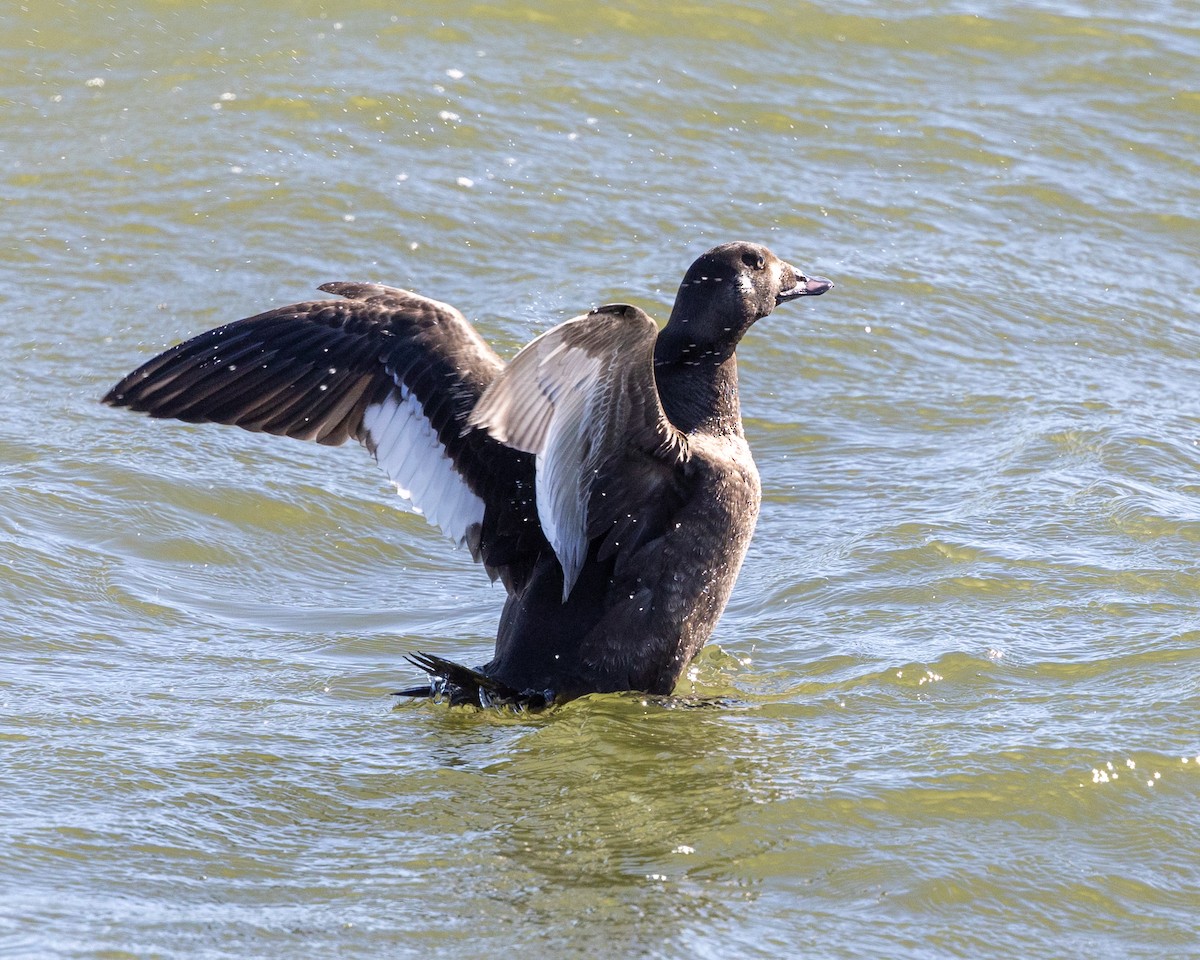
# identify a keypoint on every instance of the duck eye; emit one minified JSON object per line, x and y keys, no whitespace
{"x":754,"y":261}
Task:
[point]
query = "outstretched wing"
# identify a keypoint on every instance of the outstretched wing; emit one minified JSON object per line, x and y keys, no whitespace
{"x":583,"y":399}
{"x":392,"y":369}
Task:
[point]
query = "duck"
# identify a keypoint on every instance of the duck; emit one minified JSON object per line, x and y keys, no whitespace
{"x":602,"y":475}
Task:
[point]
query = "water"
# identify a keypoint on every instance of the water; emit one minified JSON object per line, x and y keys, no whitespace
{"x":959,"y":676}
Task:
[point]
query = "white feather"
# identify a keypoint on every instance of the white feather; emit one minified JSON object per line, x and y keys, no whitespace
{"x":563,"y":399}
{"x":408,"y":450}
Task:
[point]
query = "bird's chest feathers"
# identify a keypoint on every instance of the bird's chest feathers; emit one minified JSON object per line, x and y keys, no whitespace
{"x":729,"y":490}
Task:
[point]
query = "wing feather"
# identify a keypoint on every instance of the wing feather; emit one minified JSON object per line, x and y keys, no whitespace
{"x":583,"y":399}
{"x":392,"y":369}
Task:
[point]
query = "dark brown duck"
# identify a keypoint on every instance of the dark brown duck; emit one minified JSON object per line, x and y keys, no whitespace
{"x":602,"y":475}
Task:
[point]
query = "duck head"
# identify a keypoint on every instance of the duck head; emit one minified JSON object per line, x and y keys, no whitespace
{"x":725,"y":291}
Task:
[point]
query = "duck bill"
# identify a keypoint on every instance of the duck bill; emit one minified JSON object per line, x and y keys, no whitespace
{"x":805,"y":287}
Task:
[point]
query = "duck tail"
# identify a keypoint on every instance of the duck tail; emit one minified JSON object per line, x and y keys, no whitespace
{"x":462,"y":685}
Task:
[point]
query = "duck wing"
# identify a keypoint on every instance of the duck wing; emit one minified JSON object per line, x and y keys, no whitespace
{"x":582,"y":399}
{"x":394,"y":370}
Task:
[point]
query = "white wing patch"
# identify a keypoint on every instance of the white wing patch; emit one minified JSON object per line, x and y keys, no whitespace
{"x":564,"y":462}
{"x":560,"y":399}
{"x":407,"y":448}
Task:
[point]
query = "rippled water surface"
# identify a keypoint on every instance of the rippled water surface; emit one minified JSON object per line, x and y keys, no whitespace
{"x":958,"y":687}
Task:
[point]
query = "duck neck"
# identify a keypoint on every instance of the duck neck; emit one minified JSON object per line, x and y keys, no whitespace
{"x":700,"y":395}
